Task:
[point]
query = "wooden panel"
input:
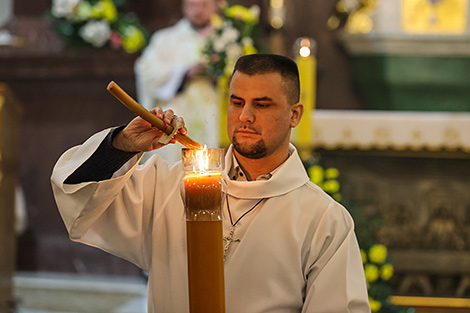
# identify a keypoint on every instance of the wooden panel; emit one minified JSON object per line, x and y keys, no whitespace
{"x":65,"y":99}
{"x":10,"y":114}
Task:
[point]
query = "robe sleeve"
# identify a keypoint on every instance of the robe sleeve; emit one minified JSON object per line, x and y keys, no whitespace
{"x":335,"y":280}
{"x":158,"y":74}
{"x":103,"y":163}
{"x":115,"y":215}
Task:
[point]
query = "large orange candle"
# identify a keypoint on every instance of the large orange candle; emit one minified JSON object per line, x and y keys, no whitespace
{"x":203,"y":204}
{"x":203,"y":196}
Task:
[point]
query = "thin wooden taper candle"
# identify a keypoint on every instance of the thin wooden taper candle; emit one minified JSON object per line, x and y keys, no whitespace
{"x":138,"y":109}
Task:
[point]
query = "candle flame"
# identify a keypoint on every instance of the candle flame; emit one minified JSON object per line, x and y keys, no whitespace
{"x":304,"y":51}
{"x":203,"y":161}
{"x":201,"y":157}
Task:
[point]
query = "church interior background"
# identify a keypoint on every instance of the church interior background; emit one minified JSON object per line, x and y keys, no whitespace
{"x":391,"y":114}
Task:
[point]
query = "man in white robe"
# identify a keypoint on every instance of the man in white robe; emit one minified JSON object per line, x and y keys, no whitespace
{"x":169,"y":74}
{"x":297,"y":251}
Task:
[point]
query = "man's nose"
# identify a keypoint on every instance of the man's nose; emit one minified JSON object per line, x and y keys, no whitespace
{"x":247,"y":114}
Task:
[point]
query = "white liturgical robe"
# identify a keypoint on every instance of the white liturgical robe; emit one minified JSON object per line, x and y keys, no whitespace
{"x":297,"y":250}
{"x":160,"y":71}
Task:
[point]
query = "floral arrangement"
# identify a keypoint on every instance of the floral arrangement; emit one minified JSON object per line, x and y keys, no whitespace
{"x":232,"y":35}
{"x":378,"y":269}
{"x":326,"y":179}
{"x":98,"y":23}
{"x":354,"y":15}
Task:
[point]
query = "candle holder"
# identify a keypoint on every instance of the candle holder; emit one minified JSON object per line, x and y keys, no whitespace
{"x":203,"y":190}
{"x":203,"y":184}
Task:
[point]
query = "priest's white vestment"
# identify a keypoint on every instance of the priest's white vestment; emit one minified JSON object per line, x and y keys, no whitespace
{"x":297,"y":250}
{"x":160,"y":71}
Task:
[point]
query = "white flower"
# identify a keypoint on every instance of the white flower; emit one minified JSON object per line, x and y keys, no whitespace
{"x":213,"y":36}
{"x":234,"y":51}
{"x":247,"y":41}
{"x":64,"y":8}
{"x":219,"y":45}
{"x":255,"y":11}
{"x":229,"y":35}
{"x":96,"y":32}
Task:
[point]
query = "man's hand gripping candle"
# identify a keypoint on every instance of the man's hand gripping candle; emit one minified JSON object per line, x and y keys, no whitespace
{"x":140,"y":136}
{"x":169,"y":128}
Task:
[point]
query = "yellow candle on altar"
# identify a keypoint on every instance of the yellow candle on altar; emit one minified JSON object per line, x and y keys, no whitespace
{"x":203,"y":208}
{"x":307,"y":63}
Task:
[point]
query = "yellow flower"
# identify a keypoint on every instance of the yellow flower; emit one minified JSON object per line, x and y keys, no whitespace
{"x":331,"y":186}
{"x":249,"y":49}
{"x":104,"y":9}
{"x":386,"y":272}
{"x":240,"y":12}
{"x":378,"y":253}
{"x":363,"y":256}
{"x":133,"y":39}
{"x":372,"y":272}
{"x":96,"y":11}
{"x":342,"y":7}
{"x":331,"y":173}
{"x":110,"y":11}
{"x":216,"y":21}
{"x":359,"y":23}
{"x":234,"y":11}
{"x":374,"y":305}
{"x":316,"y":174}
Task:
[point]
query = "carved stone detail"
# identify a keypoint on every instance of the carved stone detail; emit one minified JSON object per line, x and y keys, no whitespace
{"x":425,"y":204}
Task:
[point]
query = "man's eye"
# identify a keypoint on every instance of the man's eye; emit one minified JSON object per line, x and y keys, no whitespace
{"x":237,"y":103}
{"x":262,"y":105}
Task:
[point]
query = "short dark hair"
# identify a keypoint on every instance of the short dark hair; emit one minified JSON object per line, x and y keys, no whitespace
{"x":258,"y":64}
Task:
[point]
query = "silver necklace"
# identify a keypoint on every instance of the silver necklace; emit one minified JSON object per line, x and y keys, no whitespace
{"x":229,"y":239}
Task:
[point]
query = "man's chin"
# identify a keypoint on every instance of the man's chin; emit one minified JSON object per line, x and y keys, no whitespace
{"x":250,"y":151}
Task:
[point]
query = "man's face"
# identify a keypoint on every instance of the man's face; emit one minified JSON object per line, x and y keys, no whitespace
{"x":259,"y":118}
{"x":198,"y":12}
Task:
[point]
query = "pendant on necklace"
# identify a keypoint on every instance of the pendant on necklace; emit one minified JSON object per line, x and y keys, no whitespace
{"x":228,"y":241}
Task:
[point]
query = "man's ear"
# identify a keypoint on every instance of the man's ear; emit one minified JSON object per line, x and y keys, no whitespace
{"x":296,"y":112}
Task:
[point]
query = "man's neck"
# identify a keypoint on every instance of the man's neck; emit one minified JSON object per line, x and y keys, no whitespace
{"x":256,"y":167}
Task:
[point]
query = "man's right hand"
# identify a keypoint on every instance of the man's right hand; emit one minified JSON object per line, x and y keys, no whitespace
{"x":140,"y":136}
